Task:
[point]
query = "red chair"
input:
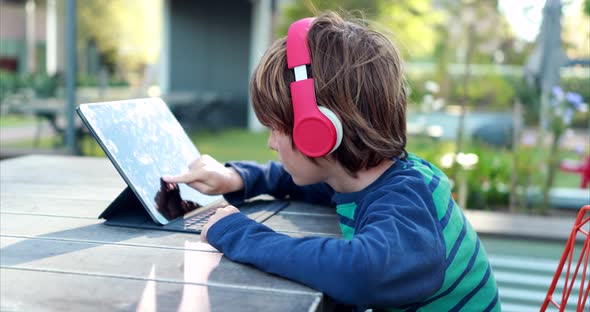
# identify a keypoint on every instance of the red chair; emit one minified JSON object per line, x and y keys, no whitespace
{"x":581,"y":168}
{"x":567,"y":255}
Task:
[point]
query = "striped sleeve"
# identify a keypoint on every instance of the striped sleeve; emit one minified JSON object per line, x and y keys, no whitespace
{"x":469,"y":284}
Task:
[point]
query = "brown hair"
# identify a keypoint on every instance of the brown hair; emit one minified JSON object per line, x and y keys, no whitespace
{"x":358,"y":74}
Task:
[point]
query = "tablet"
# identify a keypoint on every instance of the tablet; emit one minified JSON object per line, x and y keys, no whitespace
{"x":144,"y":141}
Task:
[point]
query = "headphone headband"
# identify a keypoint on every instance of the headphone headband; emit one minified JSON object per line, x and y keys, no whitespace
{"x":297,"y":46}
{"x":316,"y":130}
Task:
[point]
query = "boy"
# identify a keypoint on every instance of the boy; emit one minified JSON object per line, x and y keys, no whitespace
{"x":406,"y":243}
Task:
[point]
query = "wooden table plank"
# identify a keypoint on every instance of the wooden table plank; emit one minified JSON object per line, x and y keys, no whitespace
{"x":59,"y":170}
{"x":310,"y":209}
{"x":73,"y":191}
{"x":93,"y":231}
{"x":305,"y":224}
{"x":189,"y":266}
{"x":65,"y":207}
{"x":24,"y":290}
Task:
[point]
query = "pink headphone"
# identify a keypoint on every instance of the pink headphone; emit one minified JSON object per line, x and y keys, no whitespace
{"x":317,"y":131}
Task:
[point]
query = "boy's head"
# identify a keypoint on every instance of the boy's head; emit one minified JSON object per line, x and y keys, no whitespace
{"x":358,"y":75}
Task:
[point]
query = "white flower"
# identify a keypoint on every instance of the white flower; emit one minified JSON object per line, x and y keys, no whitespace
{"x":431,"y":86}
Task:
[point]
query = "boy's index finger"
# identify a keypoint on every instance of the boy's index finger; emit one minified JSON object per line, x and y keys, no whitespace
{"x":186,"y":177}
{"x":170,"y":179}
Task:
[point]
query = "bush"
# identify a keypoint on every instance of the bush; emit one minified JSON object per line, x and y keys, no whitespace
{"x":490,"y":91}
{"x":489,"y":182}
{"x":416,"y":90}
{"x":42,"y":85}
{"x":580,"y":85}
{"x":9,"y":84}
{"x":94,"y":81}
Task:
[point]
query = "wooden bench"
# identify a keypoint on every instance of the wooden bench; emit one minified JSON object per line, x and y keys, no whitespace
{"x":569,"y":197}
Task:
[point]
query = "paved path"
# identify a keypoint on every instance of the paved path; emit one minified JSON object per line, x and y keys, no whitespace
{"x":447,"y":124}
{"x":22,"y":133}
{"x":573,"y":140}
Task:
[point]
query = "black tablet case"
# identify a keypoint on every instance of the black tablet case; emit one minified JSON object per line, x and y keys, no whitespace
{"x":127,"y":211}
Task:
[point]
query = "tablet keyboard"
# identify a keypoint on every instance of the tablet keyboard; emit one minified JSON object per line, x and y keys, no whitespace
{"x":199,"y":220}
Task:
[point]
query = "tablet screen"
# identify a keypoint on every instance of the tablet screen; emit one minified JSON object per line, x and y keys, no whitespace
{"x":144,"y":141}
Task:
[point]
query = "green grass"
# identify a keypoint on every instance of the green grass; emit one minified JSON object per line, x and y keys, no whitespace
{"x":223,"y":146}
{"x":241,"y":144}
{"x":10,"y":120}
{"x":44,"y":143}
{"x":567,"y":180}
{"x":235,"y":145}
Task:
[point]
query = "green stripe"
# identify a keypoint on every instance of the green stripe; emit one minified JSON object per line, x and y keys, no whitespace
{"x":441,"y":197}
{"x":438,"y":172}
{"x":442,"y":194}
{"x":426,"y":172}
{"x":453,"y":229}
{"x":483,"y":297}
{"x":470,"y":280}
{"x":346,"y":210}
{"x":347,"y":231}
{"x":460,"y":262}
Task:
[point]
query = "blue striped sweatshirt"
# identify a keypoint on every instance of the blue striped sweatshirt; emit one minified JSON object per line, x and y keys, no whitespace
{"x":406,"y":244}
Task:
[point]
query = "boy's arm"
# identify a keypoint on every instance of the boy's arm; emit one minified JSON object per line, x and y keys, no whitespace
{"x":396,"y":258}
{"x":272,"y":179}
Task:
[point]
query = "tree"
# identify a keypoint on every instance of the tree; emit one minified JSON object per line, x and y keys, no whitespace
{"x":473,"y":33}
{"x":576,"y":29}
{"x":409,"y":23}
{"x":495,"y":42}
{"x":126,"y":32}
{"x":300,"y":9}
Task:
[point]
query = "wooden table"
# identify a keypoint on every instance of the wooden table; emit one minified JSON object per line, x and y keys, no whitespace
{"x":56,"y":255}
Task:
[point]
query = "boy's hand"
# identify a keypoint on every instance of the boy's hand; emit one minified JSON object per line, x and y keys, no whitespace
{"x":208,"y":176}
{"x":219,"y":214}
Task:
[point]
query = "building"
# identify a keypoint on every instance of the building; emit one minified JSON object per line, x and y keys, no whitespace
{"x":208,"y":50}
{"x":23,"y":33}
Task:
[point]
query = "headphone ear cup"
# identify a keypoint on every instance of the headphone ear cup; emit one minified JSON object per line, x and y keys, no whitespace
{"x":337,"y":125}
{"x":317,"y":131}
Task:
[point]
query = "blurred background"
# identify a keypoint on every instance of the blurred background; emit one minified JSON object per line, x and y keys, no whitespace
{"x":499,"y":93}
{"x":498,"y":87}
